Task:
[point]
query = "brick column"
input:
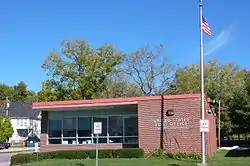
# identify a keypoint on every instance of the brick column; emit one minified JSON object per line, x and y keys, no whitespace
{"x":44,"y":130}
{"x":149,"y":115}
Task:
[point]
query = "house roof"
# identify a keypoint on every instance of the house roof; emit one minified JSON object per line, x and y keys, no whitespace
{"x":105,"y":102}
{"x":19,"y":109}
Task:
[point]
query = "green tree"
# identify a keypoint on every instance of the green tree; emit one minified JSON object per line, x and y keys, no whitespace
{"x":221,"y":81}
{"x":31,"y":97}
{"x":240,"y":108}
{"x":48,"y":93}
{"x":149,"y":68}
{"x":6,"y":91}
{"x":7,"y":128}
{"x":2,"y":137}
{"x":118,"y":86}
{"x":20,"y":92}
{"x":80,"y":71}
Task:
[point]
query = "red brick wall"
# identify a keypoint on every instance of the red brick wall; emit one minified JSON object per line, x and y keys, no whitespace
{"x":148,"y":112}
{"x":75,"y":147}
{"x":181,"y":131}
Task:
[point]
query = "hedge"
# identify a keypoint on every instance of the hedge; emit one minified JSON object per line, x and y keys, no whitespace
{"x":160,"y":154}
{"x":77,"y":154}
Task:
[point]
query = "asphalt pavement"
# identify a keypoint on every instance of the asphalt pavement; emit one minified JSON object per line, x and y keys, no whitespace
{"x":5,"y":158}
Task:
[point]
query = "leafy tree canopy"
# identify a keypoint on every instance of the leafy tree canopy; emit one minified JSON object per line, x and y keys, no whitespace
{"x":79,"y":71}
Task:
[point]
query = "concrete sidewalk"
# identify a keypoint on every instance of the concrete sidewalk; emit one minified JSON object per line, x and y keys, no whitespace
{"x":15,"y":150}
{"x":5,"y":164}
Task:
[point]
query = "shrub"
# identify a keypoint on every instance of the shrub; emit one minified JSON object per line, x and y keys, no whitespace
{"x":128,"y":153}
{"x":77,"y":154}
{"x":23,"y":158}
{"x":105,"y":153}
{"x":160,"y":154}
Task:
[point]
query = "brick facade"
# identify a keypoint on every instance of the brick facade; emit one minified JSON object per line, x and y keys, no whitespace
{"x":177,"y":133}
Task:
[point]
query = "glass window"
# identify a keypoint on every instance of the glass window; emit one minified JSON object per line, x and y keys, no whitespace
{"x":55,"y":141}
{"x":84,"y":140}
{"x":101,"y":140}
{"x":131,"y":125}
{"x":115,"y":129}
{"x":104,"y":124}
{"x":131,"y":140}
{"x":84,"y":127}
{"x":69,"y":141}
{"x":115,"y":126}
{"x":115,"y":140}
{"x":69,"y":127}
{"x":55,"y":128}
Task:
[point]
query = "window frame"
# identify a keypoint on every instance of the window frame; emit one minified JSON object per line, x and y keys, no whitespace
{"x":93,"y":136}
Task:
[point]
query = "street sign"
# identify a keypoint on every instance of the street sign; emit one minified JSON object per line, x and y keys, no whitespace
{"x":204,"y":125}
{"x":36,"y":147}
{"x":97,"y":127}
{"x":97,"y":131}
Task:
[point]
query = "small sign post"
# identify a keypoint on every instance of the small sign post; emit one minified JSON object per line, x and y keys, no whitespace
{"x":97,"y":131}
{"x":36,"y":147}
{"x":36,"y":150}
{"x":204,"y":125}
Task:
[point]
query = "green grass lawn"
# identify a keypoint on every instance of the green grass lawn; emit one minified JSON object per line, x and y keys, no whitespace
{"x":218,"y":159}
{"x":113,"y":162}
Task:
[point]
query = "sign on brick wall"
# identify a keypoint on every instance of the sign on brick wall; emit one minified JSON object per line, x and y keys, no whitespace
{"x":172,"y":123}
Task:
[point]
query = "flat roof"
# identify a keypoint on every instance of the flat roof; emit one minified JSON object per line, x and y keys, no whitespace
{"x":105,"y":102}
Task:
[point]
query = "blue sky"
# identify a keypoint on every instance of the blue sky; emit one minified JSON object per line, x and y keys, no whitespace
{"x":31,"y":29}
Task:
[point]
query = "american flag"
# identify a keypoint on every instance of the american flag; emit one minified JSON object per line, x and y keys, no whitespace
{"x":205,"y":27}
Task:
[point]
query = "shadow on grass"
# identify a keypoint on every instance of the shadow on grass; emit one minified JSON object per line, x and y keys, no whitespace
{"x":174,"y":165}
{"x":238,"y":153}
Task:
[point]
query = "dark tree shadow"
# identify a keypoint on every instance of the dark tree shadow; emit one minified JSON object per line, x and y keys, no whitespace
{"x":174,"y":165}
{"x":238,"y":153}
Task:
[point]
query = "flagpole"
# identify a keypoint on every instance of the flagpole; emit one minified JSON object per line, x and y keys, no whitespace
{"x":202,"y":88}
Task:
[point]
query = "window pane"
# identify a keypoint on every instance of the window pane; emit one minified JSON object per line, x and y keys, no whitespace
{"x":55,"y":128}
{"x":131,"y":140}
{"x":115,"y":126}
{"x":69,"y":127}
{"x":101,"y":140}
{"x":84,"y":141}
{"x":84,"y":127}
{"x":131,"y":125}
{"x":115,"y":140}
{"x":69,"y":141}
{"x":104,"y":124}
{"x":55,"y":141}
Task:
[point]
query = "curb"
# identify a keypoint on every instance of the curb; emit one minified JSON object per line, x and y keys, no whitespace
{"x":5,"y":152}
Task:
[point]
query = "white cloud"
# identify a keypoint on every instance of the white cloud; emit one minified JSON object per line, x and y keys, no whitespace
{"x":219,"y":41}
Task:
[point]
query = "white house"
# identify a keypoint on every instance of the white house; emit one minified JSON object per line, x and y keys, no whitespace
{"x":24,"y":119}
